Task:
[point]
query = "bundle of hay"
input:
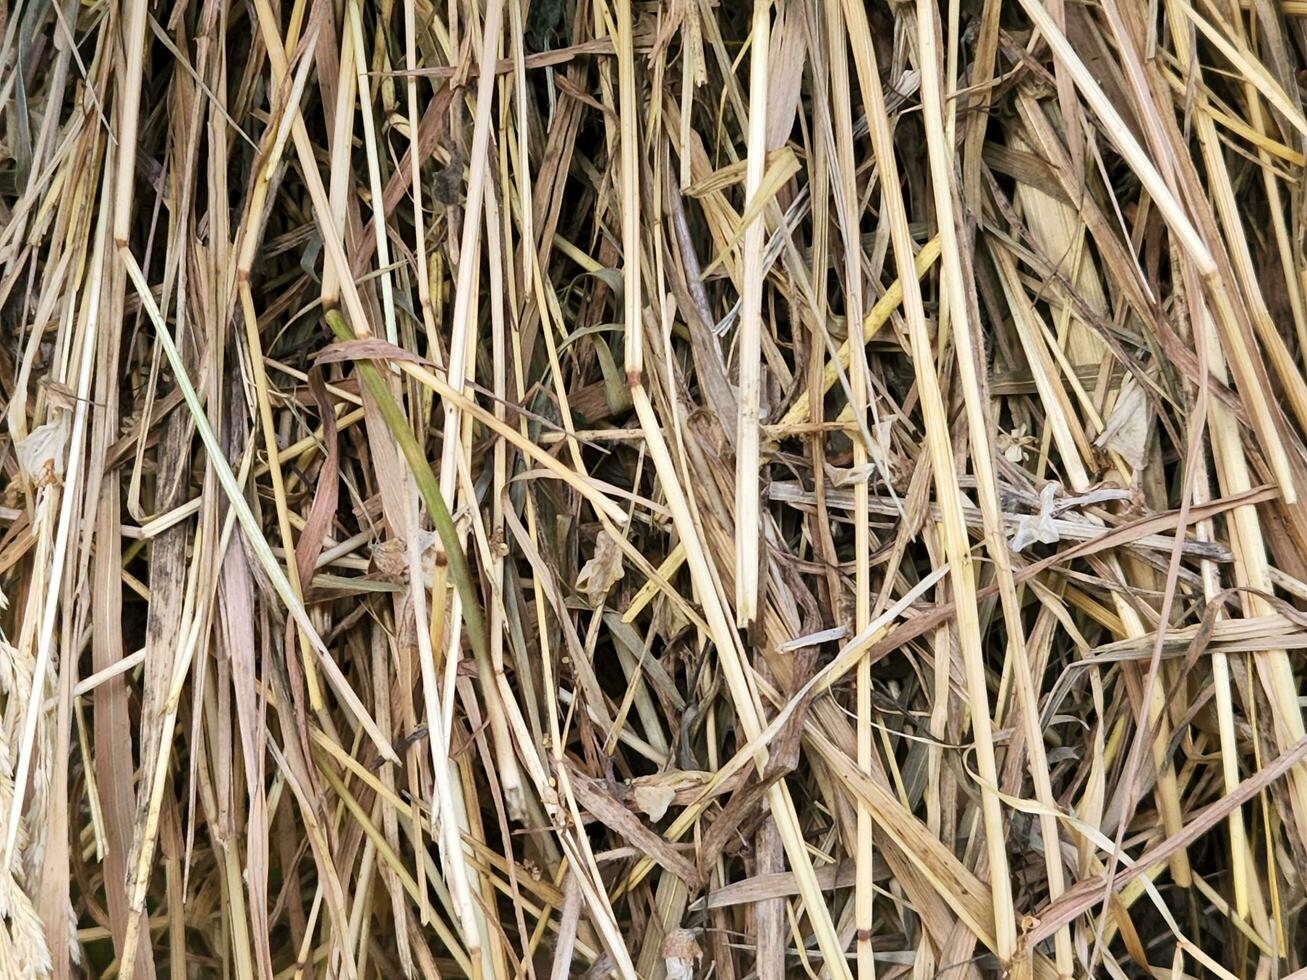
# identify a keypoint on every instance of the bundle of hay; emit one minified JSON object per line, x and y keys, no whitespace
{"x":532,"y":488}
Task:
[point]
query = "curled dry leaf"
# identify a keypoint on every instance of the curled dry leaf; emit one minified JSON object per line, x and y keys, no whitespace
{"x":390,"y":559}
{"x":654,"y":794}
{"x":653,"y":799}
{"x":41,"y":452}
{"x":681,"y":952}
{"x":1129,"y":426}
{"x":1038,"y":527}
{"x":601,"y":572}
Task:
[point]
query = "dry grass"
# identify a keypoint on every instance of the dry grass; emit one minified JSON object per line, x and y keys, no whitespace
{"x":452,"y":526}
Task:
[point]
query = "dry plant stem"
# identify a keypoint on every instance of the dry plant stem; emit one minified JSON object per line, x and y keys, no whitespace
{"x":1251,"y":562}
{"x":342,"y":140}
{"x":1050,"y":246}
{"x":801,"y":411}
{"x":969,"y":361}
{"x":510,"y":776}
{"x":451,"y":846}
{"x":1240,"y":857}
{"x":241,"y":509}
{"x":1180,"y":225}
{"x":846,"y":193}
{"x":748,"y":528}
{"x":129,"y":121}
{"x":742,"y":694}
{"x":629,"y":137}
{"x":68,"y":505}
{"x":939,"y":445}
{"x":278,"y":483}
{"x":308,"y":162}
{"x":1251,"y":570}
{"x":462,"y":332}
{"x":586,"y":488}
{"x":374,"y":171}
{"x":1220,"y":424}
{"x":155,"y":784}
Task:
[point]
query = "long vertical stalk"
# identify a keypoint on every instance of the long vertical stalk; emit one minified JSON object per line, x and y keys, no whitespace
{"x":748,"y":527}
{"x":939,"y":444}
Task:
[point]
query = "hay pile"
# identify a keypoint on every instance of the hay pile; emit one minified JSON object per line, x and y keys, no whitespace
{"x":657,"y":489}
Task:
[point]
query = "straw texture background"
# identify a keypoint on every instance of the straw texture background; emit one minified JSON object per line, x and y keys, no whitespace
{"x":753,"y":488}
